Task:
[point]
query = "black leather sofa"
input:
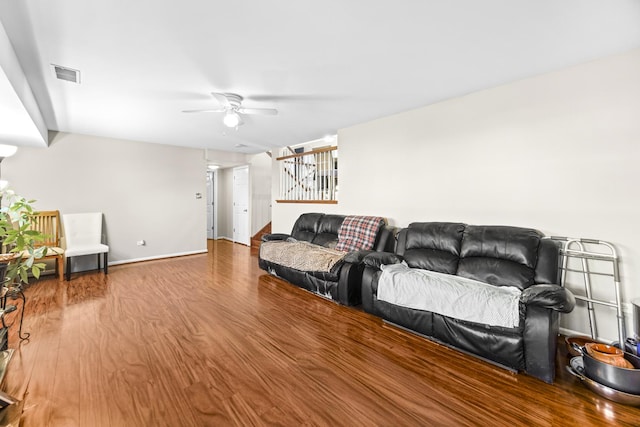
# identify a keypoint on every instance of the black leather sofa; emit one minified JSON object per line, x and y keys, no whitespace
{"x":342,"y":283}
{"x":498,"y":255}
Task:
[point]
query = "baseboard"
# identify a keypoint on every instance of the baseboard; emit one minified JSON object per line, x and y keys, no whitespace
{"x":151,"y":258}
{"x":570,"y":332}
{"x":229,"y":239}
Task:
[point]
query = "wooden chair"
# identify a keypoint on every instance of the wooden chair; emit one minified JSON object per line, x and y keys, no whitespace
{"x":48,"y":223}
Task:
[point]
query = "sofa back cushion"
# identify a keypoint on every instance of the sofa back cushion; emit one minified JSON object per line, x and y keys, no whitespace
{"x":359,"y":232}
{"x":323,"y":229}
{"x":431,"y":246}
{"x":500,"y":255}
{"x":306,"y":226}
{"x":327,"y":231}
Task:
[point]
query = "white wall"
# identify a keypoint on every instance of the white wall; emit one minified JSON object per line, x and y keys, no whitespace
{"x":146,"y":191}
{"x":558,"y":152}
{"x":22,"y":121}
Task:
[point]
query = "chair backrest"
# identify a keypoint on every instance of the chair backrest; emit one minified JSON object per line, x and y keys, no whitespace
{"x":47,"y":223}
{"x":82,"y":228}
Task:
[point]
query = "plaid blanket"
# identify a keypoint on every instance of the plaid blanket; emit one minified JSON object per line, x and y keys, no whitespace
{"x":358,"y":232}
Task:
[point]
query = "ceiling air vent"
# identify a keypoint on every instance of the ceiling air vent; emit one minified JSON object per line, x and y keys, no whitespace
{"x":68,"y":74}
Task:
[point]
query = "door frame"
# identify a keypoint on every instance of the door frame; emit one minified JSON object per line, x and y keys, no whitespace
{"x":212,"y":197}
{"x":233,"y":216}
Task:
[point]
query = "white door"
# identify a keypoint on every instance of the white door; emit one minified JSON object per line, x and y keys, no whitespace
{"x":241,"y":205}
{"x":211,"y":205}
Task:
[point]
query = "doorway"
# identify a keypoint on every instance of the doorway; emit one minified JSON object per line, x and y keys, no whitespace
{"x":241,"y":205}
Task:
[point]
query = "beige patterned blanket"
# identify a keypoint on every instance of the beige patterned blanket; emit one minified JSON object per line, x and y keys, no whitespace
{"x":301,"y":256}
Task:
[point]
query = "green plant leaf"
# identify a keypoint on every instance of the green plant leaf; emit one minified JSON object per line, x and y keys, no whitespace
{"x":18,"y":236}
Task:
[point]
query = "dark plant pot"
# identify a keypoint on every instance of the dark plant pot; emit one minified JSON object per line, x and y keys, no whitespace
{"x":3,"y":271}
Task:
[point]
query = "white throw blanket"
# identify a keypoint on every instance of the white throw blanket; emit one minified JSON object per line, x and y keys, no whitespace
{"x":448,"y":295}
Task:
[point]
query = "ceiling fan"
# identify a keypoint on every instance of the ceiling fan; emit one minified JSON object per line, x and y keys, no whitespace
{"x":231,"y":106}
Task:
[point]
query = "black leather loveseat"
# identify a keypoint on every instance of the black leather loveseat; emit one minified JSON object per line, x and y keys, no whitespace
{"x":496,"y":255}
{"x":342,"y":282}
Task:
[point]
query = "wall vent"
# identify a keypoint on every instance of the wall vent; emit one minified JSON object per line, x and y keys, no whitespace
{"x":65,"y":73}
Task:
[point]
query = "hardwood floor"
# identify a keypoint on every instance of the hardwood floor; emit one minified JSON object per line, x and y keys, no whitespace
{"x":211,"y":340}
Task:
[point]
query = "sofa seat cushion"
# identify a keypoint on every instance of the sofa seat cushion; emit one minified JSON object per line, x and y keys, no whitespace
{"x":302,"y":256}
{"x":449,"y":295}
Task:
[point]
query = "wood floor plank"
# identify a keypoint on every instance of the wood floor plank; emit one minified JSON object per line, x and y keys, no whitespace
{"x":209,"y":340}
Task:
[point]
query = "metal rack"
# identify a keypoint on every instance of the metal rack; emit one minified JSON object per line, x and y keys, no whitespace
{"x":601,"y":251}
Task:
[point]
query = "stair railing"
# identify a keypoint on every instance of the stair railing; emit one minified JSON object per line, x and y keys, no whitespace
{"x":309,"y":177}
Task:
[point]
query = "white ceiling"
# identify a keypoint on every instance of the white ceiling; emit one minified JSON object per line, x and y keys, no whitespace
{"x":324,"y":65}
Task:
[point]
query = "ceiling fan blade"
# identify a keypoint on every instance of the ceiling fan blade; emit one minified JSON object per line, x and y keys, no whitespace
{"x":264,"y":111}
{"x":222,"y":99}
{"x":300,"y":97}
{"x":217,"y":110}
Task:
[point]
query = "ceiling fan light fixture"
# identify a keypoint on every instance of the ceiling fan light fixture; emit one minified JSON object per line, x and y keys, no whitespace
{"x":7,"y":150}
{"x":231,"y":119}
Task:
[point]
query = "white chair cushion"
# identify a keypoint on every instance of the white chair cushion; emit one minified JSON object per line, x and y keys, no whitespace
{"x":97,"y":248}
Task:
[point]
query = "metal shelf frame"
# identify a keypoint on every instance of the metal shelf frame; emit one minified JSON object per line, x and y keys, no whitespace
{"x":600,"y":251}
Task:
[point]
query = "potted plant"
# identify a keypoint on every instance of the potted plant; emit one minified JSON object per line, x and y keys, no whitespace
{"x":18,"y":240}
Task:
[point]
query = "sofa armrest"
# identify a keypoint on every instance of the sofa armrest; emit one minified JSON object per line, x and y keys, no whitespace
{"x":386,"y":239}
{"x":356,"y":257}
{"x":275,"y":236}
{"x":376,"y":259}
{"x":553,"y":297}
